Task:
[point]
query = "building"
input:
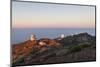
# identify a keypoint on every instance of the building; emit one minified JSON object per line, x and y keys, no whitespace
{"x":32,"y":37}
{"x":41,"y":43}
{"x":62,"y":36}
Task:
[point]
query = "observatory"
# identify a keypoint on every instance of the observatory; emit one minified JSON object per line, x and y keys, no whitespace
{"x":32,"y":37}
{"x":62,"y":36}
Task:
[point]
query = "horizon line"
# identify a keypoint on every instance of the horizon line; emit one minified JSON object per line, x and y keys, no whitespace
{"x":53,"y":28}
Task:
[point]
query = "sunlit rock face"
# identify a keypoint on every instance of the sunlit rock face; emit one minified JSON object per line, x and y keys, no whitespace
{"x":49,"y":42}
{"x":25,"y":48}
{"x":22,"y":49}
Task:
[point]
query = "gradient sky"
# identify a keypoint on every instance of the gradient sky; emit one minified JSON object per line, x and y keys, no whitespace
{"x":42,"y":15}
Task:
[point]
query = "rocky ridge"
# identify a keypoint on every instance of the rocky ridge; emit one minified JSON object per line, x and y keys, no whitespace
{"x":75,"y":48}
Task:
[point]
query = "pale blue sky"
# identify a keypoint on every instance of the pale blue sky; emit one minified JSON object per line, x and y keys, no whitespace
{"x":42,"y":15}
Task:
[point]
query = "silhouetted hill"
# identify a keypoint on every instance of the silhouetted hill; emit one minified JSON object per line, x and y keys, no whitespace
{"x":76,"y":39}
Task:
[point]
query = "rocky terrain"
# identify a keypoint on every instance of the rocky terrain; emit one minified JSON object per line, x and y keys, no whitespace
{"x":75,"y":48}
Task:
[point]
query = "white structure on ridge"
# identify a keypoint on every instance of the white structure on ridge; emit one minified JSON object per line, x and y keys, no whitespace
{"x":42,"y":43}
{"x":32,"y":37}
{"x":62,"y":36}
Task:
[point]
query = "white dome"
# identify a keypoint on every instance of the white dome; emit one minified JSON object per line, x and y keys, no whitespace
{"x":62,"y":35}
{"x":32,"y":37}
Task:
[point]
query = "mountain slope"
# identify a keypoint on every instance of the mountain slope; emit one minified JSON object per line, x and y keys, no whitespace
{"x":79,"y":47}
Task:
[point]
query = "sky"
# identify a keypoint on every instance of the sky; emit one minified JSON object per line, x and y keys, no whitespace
{"x":43,"y":15}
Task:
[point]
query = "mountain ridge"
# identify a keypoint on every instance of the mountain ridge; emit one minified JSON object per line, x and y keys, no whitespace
{"x":79,"y":47}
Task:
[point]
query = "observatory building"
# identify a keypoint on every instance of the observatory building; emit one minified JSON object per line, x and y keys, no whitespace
{"x":62,"y":36}
{"x":32,"y":37}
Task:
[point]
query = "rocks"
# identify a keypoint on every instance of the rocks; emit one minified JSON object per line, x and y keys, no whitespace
{"x":41,"y":43}
{"x":61,"y":52}
{"x":76,"y":39}
{"x":50,"y":42}
{"x":79,"y":47}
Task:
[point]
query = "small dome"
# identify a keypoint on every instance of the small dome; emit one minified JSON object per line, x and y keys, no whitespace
{"x":62,"y":35}
{"x":32,"y":37}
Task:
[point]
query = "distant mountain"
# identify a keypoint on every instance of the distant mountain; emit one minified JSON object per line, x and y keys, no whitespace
{"x":75,"y":48}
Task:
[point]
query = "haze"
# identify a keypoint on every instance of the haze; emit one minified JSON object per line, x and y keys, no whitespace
{"x":42,"y":15}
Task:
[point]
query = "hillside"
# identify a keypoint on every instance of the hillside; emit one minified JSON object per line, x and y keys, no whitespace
{"x":75,"y":48}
